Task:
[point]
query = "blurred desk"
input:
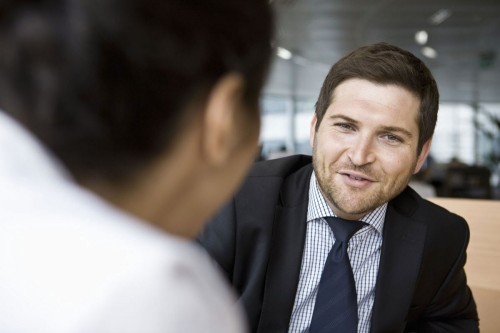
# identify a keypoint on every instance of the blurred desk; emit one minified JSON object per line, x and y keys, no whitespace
{"x":483,"y":255}
{"x":488,"y":303}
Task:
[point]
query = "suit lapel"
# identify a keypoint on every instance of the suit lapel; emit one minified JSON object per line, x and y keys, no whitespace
{"x":287,"y":247}
{"x":401,"y":255}
{"x":403,"y":244}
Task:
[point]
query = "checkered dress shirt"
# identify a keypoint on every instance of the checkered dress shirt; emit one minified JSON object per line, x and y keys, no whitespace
{"x":364,"y":254}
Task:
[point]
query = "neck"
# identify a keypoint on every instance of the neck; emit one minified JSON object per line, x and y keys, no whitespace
{"x":166,"y":194}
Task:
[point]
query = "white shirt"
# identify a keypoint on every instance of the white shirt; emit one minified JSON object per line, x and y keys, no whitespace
{"x":363,"y":250}
{"x":70,"y":262}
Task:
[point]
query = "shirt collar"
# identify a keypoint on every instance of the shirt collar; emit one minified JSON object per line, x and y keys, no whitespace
{"x":319,"y":208}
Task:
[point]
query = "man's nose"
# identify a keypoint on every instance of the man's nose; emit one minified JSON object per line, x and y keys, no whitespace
{"x":361,"y":152}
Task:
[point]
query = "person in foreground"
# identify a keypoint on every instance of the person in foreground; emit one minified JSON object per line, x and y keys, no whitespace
{"x":125,"y":125}
{"x":396,"y":263}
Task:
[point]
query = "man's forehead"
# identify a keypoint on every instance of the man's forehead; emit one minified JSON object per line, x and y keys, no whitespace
{"x":358,"y":98}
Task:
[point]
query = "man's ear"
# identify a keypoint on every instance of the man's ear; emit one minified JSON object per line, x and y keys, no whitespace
{"x":312,"y":130}
{"x":423,"y":155}
{"x":220,"y":119}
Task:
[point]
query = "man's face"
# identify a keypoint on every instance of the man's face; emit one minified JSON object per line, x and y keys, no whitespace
{"x":365,"y":149}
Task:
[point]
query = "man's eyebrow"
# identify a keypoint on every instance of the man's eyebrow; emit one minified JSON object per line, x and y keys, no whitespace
{"x":346,"y":118}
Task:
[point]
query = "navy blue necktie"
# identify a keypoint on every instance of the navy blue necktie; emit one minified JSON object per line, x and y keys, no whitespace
{"x":336,"y":308}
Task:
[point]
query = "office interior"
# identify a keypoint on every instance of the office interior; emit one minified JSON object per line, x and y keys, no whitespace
{"x":459,"y":40}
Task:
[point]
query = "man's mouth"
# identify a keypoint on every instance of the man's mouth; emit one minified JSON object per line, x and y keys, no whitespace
{"x":357,"y":176}
{"x":356,"y":179}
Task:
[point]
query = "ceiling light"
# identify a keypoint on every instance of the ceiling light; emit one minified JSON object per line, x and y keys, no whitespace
{"x":440,"y":16}
{"x":421,"y":37}
{"x":283,"y":53}
{"x":429,"y":52}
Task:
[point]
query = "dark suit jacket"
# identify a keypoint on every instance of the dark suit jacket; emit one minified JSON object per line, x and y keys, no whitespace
{"x":258,"y":240}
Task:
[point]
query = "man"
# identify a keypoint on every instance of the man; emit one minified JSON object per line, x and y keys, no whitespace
{"x":125,"y":125}
{"x":371,"y":131}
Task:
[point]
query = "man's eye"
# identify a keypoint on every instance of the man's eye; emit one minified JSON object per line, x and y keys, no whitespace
{"x":344,"y":126}
{"x":391,"y":138}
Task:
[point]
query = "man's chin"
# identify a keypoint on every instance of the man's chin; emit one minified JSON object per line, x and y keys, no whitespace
{"x":347,"y":207}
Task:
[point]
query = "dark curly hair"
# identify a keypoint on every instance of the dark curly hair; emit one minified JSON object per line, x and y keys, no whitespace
{"x":106,"y":84}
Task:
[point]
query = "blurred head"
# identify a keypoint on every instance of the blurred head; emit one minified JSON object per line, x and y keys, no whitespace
{"x":383,"y":63}
{"x":107,"y":84}
{"x":110,"y":87}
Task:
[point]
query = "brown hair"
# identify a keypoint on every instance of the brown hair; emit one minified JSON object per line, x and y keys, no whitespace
{"x":383,"y":63}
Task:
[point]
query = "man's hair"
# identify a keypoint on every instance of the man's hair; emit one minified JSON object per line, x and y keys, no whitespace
{"x":106,"y":85}
{"x":383,"y":63}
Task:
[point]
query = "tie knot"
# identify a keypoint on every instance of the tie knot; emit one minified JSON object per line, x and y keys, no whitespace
{"x":343,"y":229}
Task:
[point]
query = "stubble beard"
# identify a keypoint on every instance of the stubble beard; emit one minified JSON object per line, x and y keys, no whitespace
{"x":353,"y":201}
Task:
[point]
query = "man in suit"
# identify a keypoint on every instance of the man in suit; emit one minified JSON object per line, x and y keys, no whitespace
{"x":371,"y":131}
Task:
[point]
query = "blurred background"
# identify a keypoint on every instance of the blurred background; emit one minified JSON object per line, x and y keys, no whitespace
{"x":458,"y":39}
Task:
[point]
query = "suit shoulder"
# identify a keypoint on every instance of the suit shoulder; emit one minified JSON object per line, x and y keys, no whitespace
{"x":440,"y":211}
{"x":411,"y":202}
{"x":268,"y":179}
{"x":437,"y":217}
{"x":280,"y":167}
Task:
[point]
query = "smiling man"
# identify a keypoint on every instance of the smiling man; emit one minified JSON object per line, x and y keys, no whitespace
{"x":365,"y":148}
{"x":282,"y":239}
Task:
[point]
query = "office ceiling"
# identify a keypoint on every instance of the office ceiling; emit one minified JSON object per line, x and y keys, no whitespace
{"x":467,"y":42}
